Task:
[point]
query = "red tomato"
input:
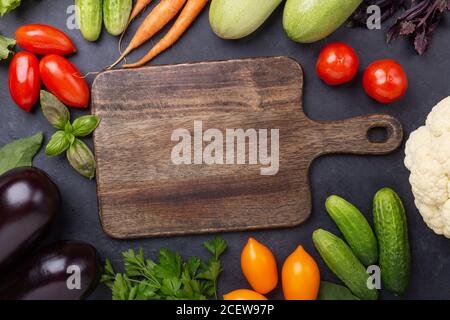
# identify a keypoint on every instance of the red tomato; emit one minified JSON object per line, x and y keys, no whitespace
{"x":337,"y":64}
{"x":24,"y":81}
{"x":43,"y":39}
{"x":64,"y":80}
{"x":385,"y":81}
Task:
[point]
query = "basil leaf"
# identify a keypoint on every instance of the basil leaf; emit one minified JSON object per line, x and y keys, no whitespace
{"x":19,"y":153}
{"x":71,"y":138}
{"x":68,"y":128}
{"x":59,"y":143}
{"x":85,"y":125}
{"x":6,"y":47}
{"x":81,"y":159}
{"x":331,"y":291}
{"x":8,"y":5}
{"x":54,"y":110}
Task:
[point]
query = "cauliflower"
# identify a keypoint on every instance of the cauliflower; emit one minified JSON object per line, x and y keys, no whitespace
{"x":428,"y":159}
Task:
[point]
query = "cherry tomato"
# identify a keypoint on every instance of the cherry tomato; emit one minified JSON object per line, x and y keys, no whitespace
{"x":24,"y":81}
{"x":243,"y":294}
{"x":385,"y":81}
{"x":259,"y":267}
{"x":337,"y":64}
{"x":43,"y":39}
{"x":64,"y":80}
{"x":300,"y":276}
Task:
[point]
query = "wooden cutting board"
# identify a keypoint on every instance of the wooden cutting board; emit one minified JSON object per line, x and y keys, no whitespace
{"x":142,"y":193}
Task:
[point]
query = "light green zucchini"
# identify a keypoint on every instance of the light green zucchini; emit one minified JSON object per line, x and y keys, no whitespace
{"x":235,"y":19}
{"x":309,"y":21}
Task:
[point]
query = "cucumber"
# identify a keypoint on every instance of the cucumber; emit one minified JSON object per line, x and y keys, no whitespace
{"x":309,"y":21}
{"x":89,"y":18}
{"x":116,"y":14}
{"x":355,"y":228}
{"x":345,"y":265}
{"x":392,"y":232}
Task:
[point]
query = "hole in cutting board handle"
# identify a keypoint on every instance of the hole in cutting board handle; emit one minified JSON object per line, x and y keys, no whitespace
{"x":379,"y":133}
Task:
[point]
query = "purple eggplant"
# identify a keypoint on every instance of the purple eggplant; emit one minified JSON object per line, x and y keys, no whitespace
{"x":66,"y":270}
{"x":29,"y":201}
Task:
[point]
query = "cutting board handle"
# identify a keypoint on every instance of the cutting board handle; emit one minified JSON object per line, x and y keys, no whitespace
{"x":351,"y":136}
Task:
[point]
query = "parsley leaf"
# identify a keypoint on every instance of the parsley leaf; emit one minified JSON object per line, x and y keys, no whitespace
{"x":193,"y":265}
{"x":169,"y":265}
{"x":121,"y":288}
{"x":216,"y":247}
{"x":213,"y":269}
{"x":109,"y":276}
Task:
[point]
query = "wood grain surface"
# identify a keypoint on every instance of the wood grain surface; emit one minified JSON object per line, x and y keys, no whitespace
{"x":141,"y":193}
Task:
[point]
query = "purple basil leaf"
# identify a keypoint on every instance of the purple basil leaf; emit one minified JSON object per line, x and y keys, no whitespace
{"x":407,"y":28}
{"x":421,"y":43}
{"x":419,"y":22}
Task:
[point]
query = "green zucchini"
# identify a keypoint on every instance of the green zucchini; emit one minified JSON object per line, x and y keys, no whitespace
{"x":345,"y":265}
{"x":235,"y":19}
{"x":116,"y":14}
{"x":308,"y":21}
{"x":89,"y":15}
{"x":355,"y":228}
{"x":392,"y":232}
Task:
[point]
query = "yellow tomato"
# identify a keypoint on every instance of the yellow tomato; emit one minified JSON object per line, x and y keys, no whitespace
{"x":300,"y":276}
{"x":259,"y":267}
{"x":243,"y":294}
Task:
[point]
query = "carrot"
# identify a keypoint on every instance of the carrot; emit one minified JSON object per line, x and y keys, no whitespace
{"x":137,"y":9}
{"x":165,"y":11}
{"x":186,"y":18}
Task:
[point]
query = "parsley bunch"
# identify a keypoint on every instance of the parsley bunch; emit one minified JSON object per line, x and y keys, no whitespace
{"x":169,"y":279}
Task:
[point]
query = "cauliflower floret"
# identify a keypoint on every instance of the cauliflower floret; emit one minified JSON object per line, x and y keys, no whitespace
{"x":428,"y":160}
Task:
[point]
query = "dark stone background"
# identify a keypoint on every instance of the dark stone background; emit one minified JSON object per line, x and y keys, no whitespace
{"x":354,"y":177}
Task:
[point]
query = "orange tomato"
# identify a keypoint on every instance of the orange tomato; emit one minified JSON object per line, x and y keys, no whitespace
{"x":259,"y":267}
{"x":300,"y":276}
{"x":243,"y":294}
